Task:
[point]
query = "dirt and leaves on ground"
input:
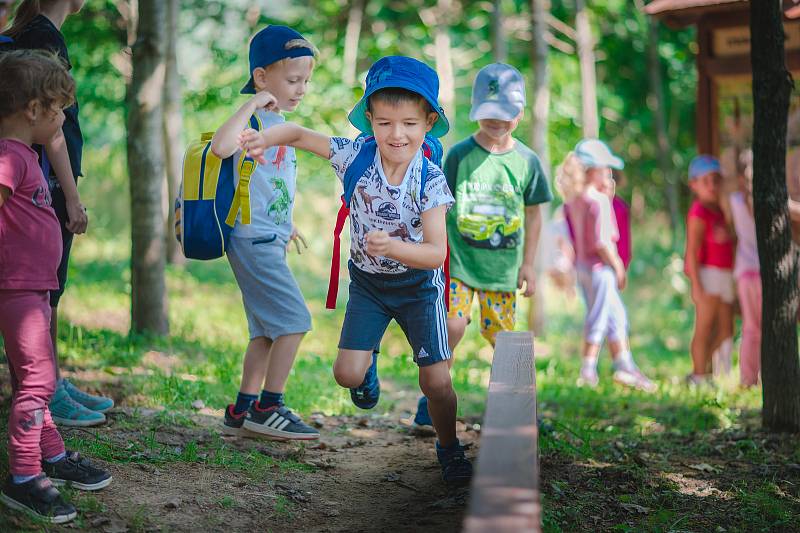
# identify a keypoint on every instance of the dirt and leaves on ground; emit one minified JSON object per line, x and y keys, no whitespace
{"x":682,"y":459}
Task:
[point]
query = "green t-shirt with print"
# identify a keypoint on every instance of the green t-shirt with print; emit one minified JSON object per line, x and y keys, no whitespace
{"x":486,"y":227}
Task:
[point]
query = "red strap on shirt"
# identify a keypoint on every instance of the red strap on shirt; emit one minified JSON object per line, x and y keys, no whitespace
{"x":333,"y":282}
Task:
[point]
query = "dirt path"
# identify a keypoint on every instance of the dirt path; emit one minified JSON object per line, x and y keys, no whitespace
{"x":365,"y":474}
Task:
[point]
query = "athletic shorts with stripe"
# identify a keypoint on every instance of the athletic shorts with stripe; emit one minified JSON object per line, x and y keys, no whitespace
{"x":415,"y":299}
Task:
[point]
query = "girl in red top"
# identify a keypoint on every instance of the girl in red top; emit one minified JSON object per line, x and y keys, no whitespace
{"x":708,"y":263}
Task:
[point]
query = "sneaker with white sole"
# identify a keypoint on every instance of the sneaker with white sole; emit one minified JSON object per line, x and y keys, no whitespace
{"x":38,"y":497}
{"x":67,"y":412}
{"x":232,"y":423}
{"x":588,"y":377}
{"x":278,"y":422}
{"x":101,"y":404}
{"x":77,"y":471}
{"x":634,"y":379}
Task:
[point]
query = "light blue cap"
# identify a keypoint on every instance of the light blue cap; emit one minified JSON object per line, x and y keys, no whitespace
{"x":595,"y":153}
{"x":703,"y":164}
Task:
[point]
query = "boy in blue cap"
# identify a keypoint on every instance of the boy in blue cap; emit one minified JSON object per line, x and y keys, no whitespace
{"x":281,"y":62}
{"x":398,"y":238}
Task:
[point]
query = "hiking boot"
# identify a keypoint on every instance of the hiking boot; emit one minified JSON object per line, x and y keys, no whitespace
{"x":456,"y":468}
{"x":39,"y":498}
{"x":78,"y":472}
{"x":278,"y":422}
{"x":100,"y":404}
{"x":367,"y":394}
{"x":422,"y":418}
{"x":635,"y":379}
{"x":232,"y":423}
{"x":67,"y":412}
{"x":588,"y":377}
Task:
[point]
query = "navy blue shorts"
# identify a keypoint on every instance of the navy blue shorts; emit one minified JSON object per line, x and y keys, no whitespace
{"x":415,"y":299}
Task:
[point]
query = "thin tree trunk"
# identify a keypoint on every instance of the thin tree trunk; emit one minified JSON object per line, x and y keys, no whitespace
{"x":585,"y":43}
{"x":173,"y":125}
{"x":772,"y":84}
{"x":499,"y":46}
{"x":146,"y":171}
{"x":351,"y":38}
{"x":541,"y":118}
{"x":659,"y":114}
{"x":444,"y":61}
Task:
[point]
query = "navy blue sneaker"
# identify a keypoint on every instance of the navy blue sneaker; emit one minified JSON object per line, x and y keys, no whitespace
{"x":422,"y":418}
{"x":367,"y":394}
{"x":456,"y":468}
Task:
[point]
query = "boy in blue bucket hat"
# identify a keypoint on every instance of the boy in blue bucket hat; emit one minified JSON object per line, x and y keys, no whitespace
{"x":398,"y":237}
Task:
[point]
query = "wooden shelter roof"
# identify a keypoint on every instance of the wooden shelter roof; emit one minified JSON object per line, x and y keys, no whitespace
{"x":681,"y":13}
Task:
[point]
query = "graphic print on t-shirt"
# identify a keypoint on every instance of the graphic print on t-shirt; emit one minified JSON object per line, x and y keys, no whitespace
{"x":488,"y":214}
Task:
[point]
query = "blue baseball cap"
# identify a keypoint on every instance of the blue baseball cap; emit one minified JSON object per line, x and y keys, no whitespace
{"x":703,"y":164}
{"x":594,"y":153}
{"x":497,"y":93}
{"x":403,"y":73}
{"x":270,"y":45}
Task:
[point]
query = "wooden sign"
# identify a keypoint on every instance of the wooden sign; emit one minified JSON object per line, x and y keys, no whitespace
{"x":736,"y":41}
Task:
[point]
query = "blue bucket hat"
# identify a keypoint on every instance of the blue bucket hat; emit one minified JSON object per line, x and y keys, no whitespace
{"x":703,"y":164}
{"x":403,"y":73}
{"x":269,"y":46}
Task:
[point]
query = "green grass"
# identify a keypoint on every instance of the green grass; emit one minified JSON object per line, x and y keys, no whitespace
{"x":612,"y":459}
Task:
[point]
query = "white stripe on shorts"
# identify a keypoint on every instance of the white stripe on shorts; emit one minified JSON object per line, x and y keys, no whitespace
{"x":439,"y":282}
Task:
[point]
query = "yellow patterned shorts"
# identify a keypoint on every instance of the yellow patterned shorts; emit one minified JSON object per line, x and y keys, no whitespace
{"x":498,"y":309}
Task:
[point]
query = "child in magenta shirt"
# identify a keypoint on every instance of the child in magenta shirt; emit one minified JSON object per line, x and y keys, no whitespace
{"x":708,"y":263}
{"x":34,"y":90}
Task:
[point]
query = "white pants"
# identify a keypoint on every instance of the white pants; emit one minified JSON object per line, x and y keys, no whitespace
{"x":605,"y":312}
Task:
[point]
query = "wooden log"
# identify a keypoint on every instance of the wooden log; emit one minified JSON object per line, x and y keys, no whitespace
{"x":505,"y":488}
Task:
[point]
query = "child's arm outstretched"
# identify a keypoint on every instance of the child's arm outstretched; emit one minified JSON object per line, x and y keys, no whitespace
{"x":286,"y":134}
{"x":427,"y":255}
{"x":533,"y":227}
{"x":225,"y":141}
{"x":695,"y":228}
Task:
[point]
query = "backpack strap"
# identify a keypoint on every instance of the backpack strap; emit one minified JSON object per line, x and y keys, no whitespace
{"x":352,"y":175}
{"x":246,"y":166}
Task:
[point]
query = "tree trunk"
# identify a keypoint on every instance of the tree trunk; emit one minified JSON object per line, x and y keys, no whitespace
{"x":173,"y":125}
{"x":499,"y":46}
{"x":146,"y":171}
{"x":772,"y":84}
{"x":444,"y":61}
{"x":541,"y":110}
{"x":585,"y":43}
{"x":351,"y":38}
{"x":659,"y":114}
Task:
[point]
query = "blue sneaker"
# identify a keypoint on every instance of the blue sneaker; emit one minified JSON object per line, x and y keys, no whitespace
{"x":101,"y":404}
{"x":67,"y":412}
{"x":367,"y":394}
{"x":422,"y":418}
{"x":456,"y":468}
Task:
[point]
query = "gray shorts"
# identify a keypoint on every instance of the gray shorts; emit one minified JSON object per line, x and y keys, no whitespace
{"x":272,"y":300}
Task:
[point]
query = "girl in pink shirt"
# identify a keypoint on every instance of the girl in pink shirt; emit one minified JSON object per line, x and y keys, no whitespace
{"x":708,"y":263}
{"x":34,"y":89}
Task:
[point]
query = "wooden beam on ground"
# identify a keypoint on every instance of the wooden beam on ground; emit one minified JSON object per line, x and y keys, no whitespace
{"x":505,"y":488}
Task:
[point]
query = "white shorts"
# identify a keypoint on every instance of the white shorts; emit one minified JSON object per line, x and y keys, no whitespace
{"x":719,"y":282}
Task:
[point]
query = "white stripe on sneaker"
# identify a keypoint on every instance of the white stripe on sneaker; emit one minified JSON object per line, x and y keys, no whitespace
{"x":268,"y":421}
{"x":285,"y":423}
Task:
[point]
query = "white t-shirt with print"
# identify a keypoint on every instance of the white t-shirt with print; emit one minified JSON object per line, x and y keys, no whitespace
{"x":272,"y":189}
{"x":378,"y":205}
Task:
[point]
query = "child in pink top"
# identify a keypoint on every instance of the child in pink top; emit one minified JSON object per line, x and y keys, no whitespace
{"x":748,"y":275}
{"x":34,"y":89}
{"x":601,"y":273}
{"x":708,"y":263}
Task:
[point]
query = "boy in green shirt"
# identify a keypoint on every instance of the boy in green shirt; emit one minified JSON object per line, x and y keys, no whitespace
{"x":493,"y":230}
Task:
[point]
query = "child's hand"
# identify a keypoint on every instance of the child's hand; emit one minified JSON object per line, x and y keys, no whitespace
{"x":698,"y":293}
{"x":77,"y":219}
{"x":254,"y":144}
{"x":378,"y":243}
{"x":297,"y":238}
{"x":527,"y":275}
{"x":264,"y":100}
{"x":622,"y":278}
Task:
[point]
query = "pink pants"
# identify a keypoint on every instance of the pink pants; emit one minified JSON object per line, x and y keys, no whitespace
{"x":749,"y":288}
{"x":25,"y":326}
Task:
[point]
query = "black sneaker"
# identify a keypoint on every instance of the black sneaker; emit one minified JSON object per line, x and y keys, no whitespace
{"x":456,"y":468}
{"x":366,"y":395}
{"x":78,"y":472}
{"x":38,"y":497}
{"x":232,"y":423}
{"x":278,"y":422}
